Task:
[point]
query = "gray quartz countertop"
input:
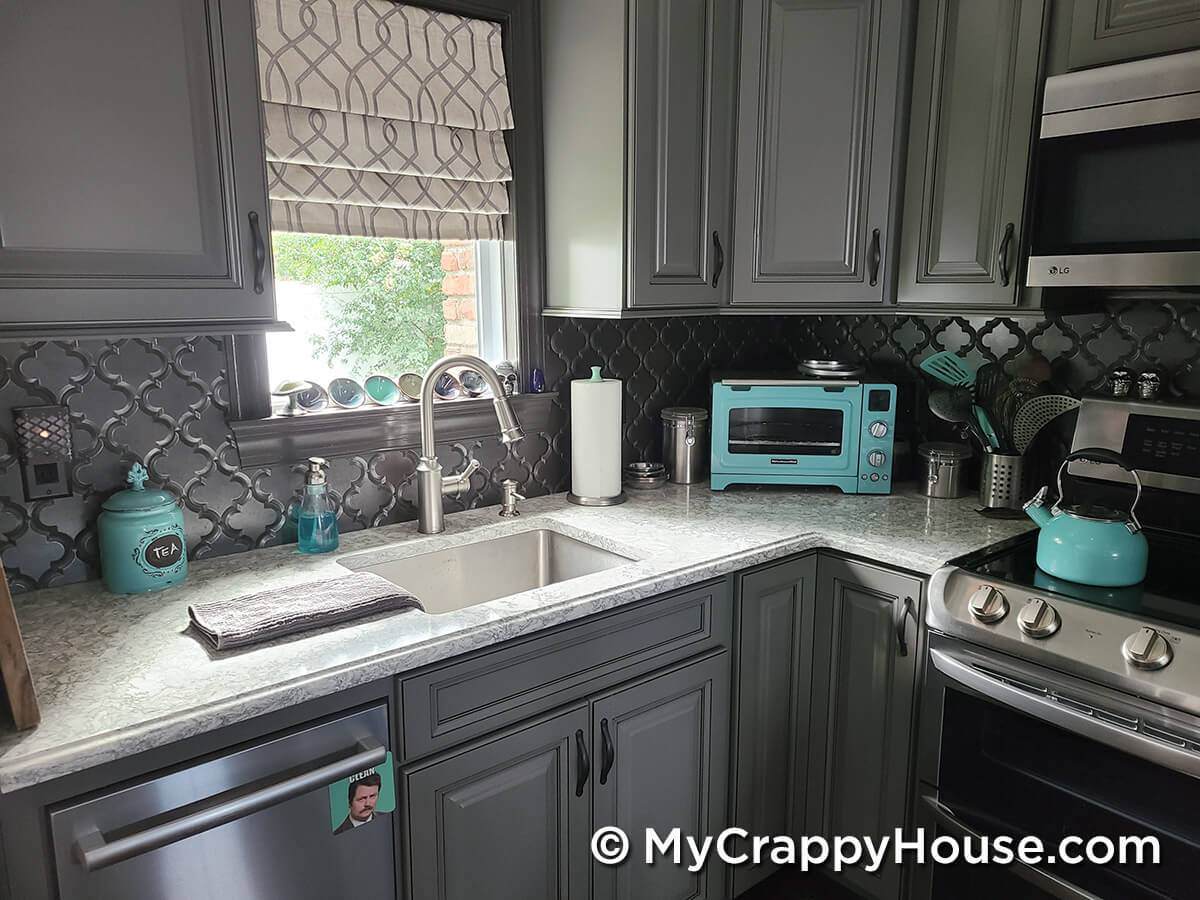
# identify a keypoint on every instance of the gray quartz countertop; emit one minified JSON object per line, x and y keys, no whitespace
{"x":116,"y":675}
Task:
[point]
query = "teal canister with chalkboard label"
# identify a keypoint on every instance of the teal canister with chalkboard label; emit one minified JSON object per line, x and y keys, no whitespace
{"x":142,"y":544}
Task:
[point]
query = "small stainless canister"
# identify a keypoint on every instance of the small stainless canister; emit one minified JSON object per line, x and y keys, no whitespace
{"x":945,"y":469}
{"x":685,"y":443}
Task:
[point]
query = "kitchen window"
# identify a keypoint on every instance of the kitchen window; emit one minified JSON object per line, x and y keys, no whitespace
{"x":404,"y":171}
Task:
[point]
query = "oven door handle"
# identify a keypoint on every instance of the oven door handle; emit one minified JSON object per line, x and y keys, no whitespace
{"x":1044,"y":881}
{"x":1056,"y":713}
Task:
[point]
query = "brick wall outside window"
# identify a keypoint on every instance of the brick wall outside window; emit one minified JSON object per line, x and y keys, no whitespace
{"x":458,"y":307}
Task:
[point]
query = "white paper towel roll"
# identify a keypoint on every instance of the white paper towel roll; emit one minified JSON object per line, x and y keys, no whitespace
{"x":596,"y":437}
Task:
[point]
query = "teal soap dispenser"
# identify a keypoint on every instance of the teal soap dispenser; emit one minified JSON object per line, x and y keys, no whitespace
{"x":316,"y":525}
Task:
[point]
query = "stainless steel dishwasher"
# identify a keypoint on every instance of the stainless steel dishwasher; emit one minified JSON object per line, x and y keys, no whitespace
{"x":254,"y":824}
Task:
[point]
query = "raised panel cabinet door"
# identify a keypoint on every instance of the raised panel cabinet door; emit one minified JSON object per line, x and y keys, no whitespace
{"x":1108,"y":31}
{"x":773,"y":612}
{"x":975,"y":87}
{"x":681,"y":123}
{"x":662,"y":751}
{"x":506,"y":818}
{"x":865,"y":674}
{"x":818,"y":86}
{"x":132,"y":182}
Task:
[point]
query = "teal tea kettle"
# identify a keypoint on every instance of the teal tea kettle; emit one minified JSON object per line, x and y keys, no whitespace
{"x":1091,"y":544}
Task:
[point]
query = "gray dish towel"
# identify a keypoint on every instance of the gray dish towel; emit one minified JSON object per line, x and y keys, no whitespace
{"x":272,"y":614}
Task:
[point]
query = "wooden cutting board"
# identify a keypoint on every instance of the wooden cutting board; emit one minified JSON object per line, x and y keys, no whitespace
{"x":14,"y":665}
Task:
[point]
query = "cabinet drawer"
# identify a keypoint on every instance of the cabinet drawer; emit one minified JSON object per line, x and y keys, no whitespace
{"x":494,"y":688}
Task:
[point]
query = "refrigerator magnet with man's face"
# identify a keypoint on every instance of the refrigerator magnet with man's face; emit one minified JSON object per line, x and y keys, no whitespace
{"x":358,"y":800}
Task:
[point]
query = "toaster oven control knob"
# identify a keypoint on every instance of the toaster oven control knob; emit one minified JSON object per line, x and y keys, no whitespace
{"x":988,"y":605}
{"x":877,"y":458}
{"x":878,"y":429}
{"x":1146,"y":648}
{"x":1038,"y":619}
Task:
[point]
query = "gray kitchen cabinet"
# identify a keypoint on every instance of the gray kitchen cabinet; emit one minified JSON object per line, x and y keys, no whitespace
{"x":865,"y":675}
{"x":661,"y":762}
{"x":818,"y":92}
{"x":1108,"y":31}
{"x":638,"y":110}
{"x":129,"y":200}
{"x":773,"y":639}
{"x":507,"y":818}
{"x":975,"y":95}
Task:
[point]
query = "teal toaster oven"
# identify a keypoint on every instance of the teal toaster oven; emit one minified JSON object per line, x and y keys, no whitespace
{"x":803,"y":431}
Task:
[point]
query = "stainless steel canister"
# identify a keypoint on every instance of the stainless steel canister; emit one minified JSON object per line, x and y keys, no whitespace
{"x":1001,"y":485}
{"x":685,"y":443}
{"x":945,"y":469}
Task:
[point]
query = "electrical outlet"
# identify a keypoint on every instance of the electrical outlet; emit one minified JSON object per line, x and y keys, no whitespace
{"x":45,"y":449}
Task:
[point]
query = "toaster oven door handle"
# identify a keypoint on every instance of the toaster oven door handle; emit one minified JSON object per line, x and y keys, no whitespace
{"x":1044,"y":881}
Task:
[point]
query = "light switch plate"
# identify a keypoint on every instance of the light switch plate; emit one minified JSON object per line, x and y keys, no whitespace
{"x":45,"y":449}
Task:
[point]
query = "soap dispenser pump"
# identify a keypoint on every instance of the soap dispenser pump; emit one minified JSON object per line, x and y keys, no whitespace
{"x":316,"y":527}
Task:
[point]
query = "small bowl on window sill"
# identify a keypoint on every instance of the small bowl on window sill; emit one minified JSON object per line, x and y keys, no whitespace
{"x":381,"y":390}
{"x":347,"y":393}
{"x":447,"y":387}
{"x":410,"y":386}
{"x":472,"y":382}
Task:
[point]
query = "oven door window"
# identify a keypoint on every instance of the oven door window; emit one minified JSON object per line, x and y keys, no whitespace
{"x":1003,"y":772}
{"x":1133,"y":190}
{"x":780,"y":431}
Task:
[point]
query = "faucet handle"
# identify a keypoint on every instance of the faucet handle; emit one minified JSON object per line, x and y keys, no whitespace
{"x":454,"y":485}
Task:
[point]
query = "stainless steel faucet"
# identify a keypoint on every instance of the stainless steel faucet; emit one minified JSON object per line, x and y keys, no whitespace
{"x":431,"y":485}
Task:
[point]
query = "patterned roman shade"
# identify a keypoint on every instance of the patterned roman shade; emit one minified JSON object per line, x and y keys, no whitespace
{"x":383,"y":120}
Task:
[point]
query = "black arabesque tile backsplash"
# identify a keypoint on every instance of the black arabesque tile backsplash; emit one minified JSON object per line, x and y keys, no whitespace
{"x":166,"y":402}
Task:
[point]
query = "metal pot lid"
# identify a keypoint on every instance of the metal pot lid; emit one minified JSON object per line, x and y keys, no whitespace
{"x":689,"y":414}
{"x":946,"y":451}
{"x":831,"y":368}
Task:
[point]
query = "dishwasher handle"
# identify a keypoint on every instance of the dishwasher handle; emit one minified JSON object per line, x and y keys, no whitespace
{"x":94,"y":852}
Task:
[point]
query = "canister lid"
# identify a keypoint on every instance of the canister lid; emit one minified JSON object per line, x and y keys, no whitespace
{"x":945,"y":451}
{"x":137,"y":498}
{"x":681,"y":415}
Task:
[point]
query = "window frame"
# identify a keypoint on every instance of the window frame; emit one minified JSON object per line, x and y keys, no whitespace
{"x":263,"y":439}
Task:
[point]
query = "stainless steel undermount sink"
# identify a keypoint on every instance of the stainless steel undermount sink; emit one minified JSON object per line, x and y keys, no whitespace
{"x":467,"y":574}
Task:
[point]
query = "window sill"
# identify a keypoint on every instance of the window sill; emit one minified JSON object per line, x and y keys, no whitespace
{"x":346,"y":432}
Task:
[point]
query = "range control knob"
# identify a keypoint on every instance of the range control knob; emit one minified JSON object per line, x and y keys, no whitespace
{"x":878,"y":429}
{"x":1038,"y":619}
{"x":1146,"y":648}
{"x":988,"y":605}
{"x":877,"y":458}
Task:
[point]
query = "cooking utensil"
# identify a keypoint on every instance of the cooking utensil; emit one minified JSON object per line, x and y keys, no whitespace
{"x":954,"y":405}
{"x":1036,"y":368}
{"x":949,"y":368}
{"x":1036,"y":414}
{"x":990,"y":385}
{"x":1091,"y":544}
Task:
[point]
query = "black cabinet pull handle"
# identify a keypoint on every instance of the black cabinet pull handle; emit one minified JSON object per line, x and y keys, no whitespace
{"x":1002,"y":254}
{"x":718,"y":258}
{"x":260,"y":253}
{"x":608,"y":753}
{"x":904,"y":610}
{"x":585,"y":762}
{"x":876,"y":257}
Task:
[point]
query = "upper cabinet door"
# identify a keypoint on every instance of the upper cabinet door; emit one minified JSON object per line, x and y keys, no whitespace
{"x":973,"y":108}
{"x":1107,"y":31}
{"x":680,"y":127}
{"x":817,"y":104}
{"x":132,"y":183}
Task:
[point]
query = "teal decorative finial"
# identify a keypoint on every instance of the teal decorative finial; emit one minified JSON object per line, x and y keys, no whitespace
{"x":137,"y":476}
{"x":595,"y":374}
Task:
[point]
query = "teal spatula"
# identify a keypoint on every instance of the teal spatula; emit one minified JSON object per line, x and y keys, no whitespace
{"x":949,"y":368}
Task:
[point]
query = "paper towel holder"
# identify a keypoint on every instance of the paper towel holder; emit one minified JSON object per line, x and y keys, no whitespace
{"x":596,"y":501}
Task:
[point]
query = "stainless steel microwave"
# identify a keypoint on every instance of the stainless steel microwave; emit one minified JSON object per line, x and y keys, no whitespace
{"x":1117,"y":197}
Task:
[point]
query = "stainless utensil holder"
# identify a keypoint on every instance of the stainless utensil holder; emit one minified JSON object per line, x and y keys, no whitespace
{"x":1002,"y":483}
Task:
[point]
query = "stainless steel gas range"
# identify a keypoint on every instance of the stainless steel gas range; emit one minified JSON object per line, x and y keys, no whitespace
{"x":1052,"y":708}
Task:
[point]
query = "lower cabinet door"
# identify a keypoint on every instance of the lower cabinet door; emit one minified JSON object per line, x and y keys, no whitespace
{"x":662,"y":763}
{"x":773,"y":612}
{"x":505,"y":819}
{"x":864,"y":679}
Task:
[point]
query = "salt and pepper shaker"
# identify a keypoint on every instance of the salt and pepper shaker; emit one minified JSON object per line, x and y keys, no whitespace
{"x":1120,"y":382}
{"x":1148,"y":385}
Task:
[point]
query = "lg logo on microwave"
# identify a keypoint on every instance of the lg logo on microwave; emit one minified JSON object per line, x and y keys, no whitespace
{"x":1055,"y":270}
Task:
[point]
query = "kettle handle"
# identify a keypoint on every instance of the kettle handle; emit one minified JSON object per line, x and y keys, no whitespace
{"x":1111,"y":457}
